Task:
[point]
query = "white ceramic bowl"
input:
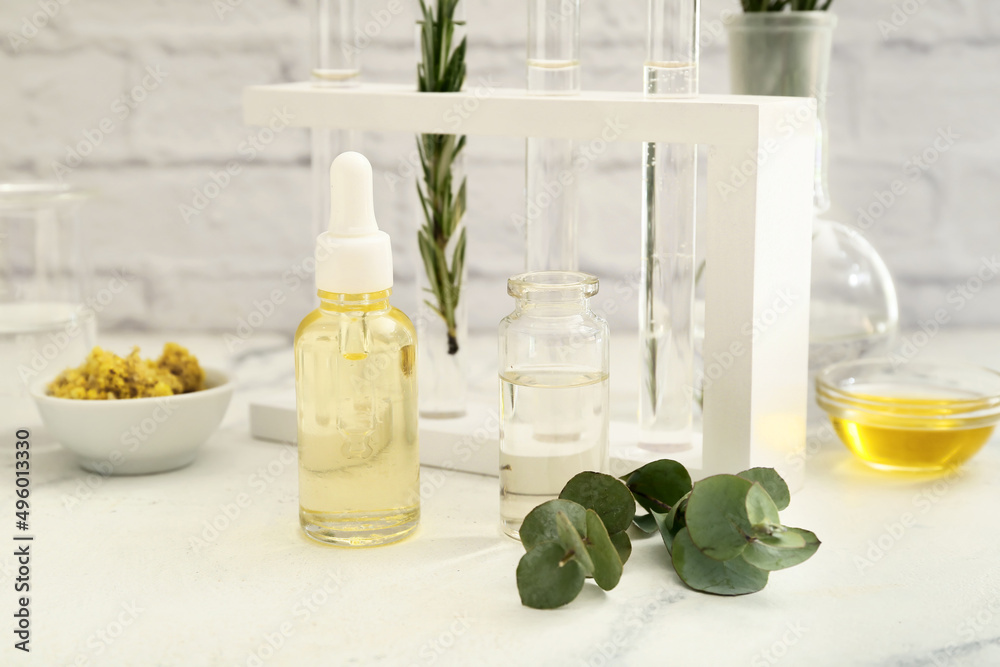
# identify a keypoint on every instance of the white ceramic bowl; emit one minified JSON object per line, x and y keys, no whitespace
{"x":138,"y":435}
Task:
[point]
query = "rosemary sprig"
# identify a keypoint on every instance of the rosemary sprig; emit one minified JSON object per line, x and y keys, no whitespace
{"x":441,"y":70}
{"x":779,"y":5}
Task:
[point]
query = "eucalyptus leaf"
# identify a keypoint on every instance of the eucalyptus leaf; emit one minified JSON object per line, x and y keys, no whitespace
{"x":646,"y":523}
{"x":623,"y":545}
{"x":607,"y":565}
{"x":731,"y":577}
{"x":767,"y":557}
{"x":540,"y":524}
{"x":783,"y":538}
{"x":666,"y":530}
{"x":676,"y":517}
{"x":546,"y":579}
{"x":570,"y":539}
{"x":716,"y":516}
{"x":670,"y":524}
{"x":723,"y":535}
{"x":761,"y":510}
{"x":772,"y":483}
{"x":657,"y":486}
{"x":604,"y":494}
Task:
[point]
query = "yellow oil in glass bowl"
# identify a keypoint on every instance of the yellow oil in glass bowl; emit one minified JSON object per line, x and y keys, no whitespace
{"x":918,"y":417}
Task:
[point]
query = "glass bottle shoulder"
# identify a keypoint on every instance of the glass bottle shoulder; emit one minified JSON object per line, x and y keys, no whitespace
{"x":388,"y":327}
{"x":528,"y":322}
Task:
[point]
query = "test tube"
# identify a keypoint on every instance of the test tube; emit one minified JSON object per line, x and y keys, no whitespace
{"x":336,"y":58}
{"x":550,"y":180}
{"x":337,"y":44}
{"x":666,"y":321}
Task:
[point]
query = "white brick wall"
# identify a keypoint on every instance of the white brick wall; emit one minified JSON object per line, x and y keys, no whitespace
{"x":890,"y":96}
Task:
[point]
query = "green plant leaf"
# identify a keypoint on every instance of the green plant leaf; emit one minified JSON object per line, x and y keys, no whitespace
{"x":782,"y":538}
{"x":646,"y":523}
{"x":604,"y":494}
{"x":606,"y":562}
{"x":670,"y":524}
{"x":716,"y":516}
{"x":571,"y":540}
{"x":731,"y":577}
{"x":768,"y":557}
{"x":657,"y":486}
{"x":772,"y":483}
{"x":441,"y":70}
{"x":540,"y":524}
{"x":761,"y":510}
{"x":623,"y":545}
{"x":666,"y":534}
{"x":675,"y":519}
{"x":546,"y":579}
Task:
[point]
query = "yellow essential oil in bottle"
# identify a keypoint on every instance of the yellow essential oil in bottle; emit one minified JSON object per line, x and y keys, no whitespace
{"x":355,"y":381}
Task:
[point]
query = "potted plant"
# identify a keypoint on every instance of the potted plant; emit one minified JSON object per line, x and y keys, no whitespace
{"x":784,"y":47}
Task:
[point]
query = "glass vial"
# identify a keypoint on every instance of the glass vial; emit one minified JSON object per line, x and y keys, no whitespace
{"x":550,"y":180}
{"x":666,"y":321}
{"x":553,"y":390}
{"x":337,"y":44}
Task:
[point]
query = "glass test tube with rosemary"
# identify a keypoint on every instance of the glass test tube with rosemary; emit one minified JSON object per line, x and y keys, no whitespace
{"x":442,"y":322}
{"x":666,"y":318}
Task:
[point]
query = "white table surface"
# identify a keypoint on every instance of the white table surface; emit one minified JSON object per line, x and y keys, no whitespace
{"x":126,"y":571}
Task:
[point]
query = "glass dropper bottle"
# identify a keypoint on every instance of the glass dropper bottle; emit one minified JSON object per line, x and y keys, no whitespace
{"x":551,"y":199}
{"x":668,"y":237}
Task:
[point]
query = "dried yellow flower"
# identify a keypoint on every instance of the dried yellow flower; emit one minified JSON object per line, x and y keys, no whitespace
{"x":105,"y":375}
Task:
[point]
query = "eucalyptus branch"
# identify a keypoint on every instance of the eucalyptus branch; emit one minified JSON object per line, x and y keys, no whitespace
{"x":723,"y":534}
{"x":441,"y":70}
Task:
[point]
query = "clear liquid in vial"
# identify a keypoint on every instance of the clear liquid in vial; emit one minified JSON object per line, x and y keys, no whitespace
{"x":667,"y":343}
{"x":672,"y":79}
{"x":38,"y":340}
{"x":553,"y":77}
{"x":554,"y":425}
{"x":335,"y":77}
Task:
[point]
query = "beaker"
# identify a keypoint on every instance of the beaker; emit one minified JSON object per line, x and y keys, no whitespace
{"x":46,"y":321}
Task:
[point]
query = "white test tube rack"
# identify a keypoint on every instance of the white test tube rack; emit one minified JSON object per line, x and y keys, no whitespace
{"x":761,"y":152}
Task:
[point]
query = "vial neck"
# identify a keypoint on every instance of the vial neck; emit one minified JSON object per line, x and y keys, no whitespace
{"x":332,"y":302}
{"x":546,"y":305}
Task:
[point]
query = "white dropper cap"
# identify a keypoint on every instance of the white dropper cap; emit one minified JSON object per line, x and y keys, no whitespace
{"x":353,"y":256}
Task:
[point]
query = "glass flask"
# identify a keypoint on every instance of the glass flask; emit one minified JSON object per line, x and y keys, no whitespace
{"x":47,"y":313}
{"x":553,"y":371}
{"x":853,"y":305}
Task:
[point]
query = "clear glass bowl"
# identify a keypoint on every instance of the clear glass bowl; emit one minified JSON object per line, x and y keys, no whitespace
{"x":910,"y":416}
